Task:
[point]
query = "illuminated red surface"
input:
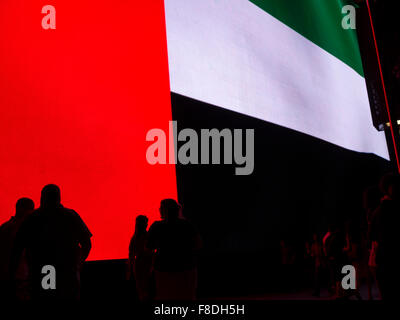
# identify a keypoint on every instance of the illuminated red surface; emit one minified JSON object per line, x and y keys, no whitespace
{"x":75,"y":106}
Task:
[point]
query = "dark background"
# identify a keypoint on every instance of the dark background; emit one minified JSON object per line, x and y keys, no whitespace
{"x":300,"y":184}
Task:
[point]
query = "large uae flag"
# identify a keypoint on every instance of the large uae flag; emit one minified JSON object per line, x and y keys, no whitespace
{"x":76,"y":102}
{"x":288,"y":62}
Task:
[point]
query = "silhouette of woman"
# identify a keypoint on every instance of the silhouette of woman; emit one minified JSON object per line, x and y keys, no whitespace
{"x":140,"y":258}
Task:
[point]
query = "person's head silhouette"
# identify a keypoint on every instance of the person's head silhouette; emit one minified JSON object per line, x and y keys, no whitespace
{"x":50,"y":197}
{"x":371,"y":198}
{"x":24,"y":207}
{"x":141,"y":224}
{"x":386,"y":182}
{"x":169,"y":209}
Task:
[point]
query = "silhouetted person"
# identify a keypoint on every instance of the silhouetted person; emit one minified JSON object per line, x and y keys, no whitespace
{"x":176,"y":243}
{"x":316,"y":254}
{"x":140,"y":258}
{"x":53,"y":236}
{"x":354,"y":254}
{"x":334,"y":243}
{"x":371,"y":201}
{"x":288,"y":258}
{"x":384,"y":235}
{"x":8,"y":232}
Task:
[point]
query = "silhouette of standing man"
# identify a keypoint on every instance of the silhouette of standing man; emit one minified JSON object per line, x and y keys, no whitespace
{"x":57,"y":237}
{"x":176,"y":244}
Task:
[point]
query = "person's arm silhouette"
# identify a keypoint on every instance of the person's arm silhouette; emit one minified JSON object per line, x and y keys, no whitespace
{"x":84,"y":236}
{"x":86,"y":246}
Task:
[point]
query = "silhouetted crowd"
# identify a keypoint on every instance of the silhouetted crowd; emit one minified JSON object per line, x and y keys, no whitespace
{"x":369,"y":245}
{"x":36,"y":242}
{"x":163,"y":258}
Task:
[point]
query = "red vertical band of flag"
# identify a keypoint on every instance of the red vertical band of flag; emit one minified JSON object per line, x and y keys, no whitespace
{"x":75,"y":106}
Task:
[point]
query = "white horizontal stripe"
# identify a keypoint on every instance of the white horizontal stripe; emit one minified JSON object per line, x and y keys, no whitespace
{"x":232,"y":54}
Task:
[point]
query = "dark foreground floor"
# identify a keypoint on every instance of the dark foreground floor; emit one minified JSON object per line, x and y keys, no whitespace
{"x":305,"y":294}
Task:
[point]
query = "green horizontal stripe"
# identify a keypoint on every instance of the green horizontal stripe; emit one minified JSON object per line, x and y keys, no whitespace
{"x":320,"y":21}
